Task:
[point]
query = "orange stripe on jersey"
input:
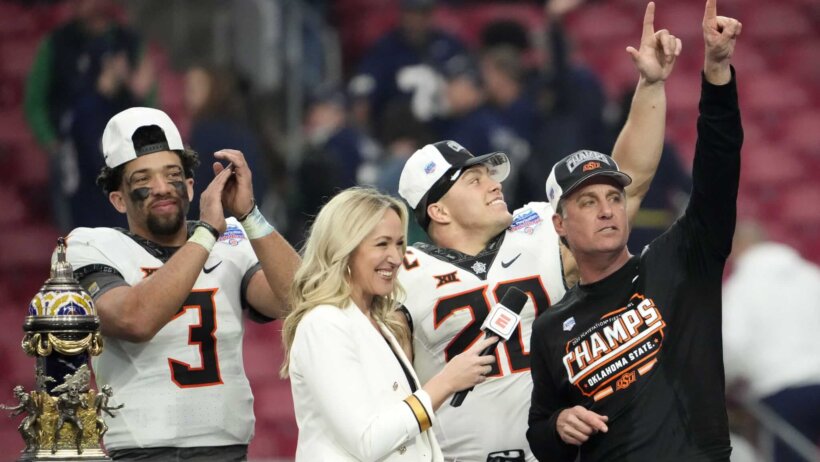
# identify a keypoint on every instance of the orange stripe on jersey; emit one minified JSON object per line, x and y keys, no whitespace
{"x":603,"y":394}
{"x":647,"y":367}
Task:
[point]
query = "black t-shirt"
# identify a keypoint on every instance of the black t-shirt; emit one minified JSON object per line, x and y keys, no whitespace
{"x":643,"y":346}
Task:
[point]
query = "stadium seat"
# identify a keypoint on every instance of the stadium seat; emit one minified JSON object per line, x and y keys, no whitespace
{"x":27,"y":247}
{"x":683,"y":19}
{"x":768,"y":169}
{"x":802,"y":134}
{"x":775,"y":22}
{"x":768,"y":97}
{"x":17,"y":55}
{"x":602,"y":23}
{"x":273,"y":402}
{"x":799,"y":207}
{"x":17,"y":22}
{"x":14,"y":208}
{"x":802,"y":60}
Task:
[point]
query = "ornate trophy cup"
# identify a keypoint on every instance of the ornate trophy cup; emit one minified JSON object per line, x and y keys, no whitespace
{"x":63,"y":418}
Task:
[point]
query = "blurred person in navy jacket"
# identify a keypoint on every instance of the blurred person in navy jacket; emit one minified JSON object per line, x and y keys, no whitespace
{"x":94,"y":65}
{"x":338,"y":155}
{"x":219,"y":120}
{"x":402,"y":65}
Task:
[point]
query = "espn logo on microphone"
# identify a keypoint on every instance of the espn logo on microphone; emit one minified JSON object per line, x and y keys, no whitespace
{"x":502,"y":321}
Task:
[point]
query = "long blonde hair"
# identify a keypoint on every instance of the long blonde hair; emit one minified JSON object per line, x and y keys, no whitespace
{"x":342,"y":224}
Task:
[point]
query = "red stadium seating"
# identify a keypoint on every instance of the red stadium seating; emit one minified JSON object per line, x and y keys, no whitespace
{"x":802,"y":134}
{"x":603,"y":23}
{"x":767,"y":169}
{"x":774,"y":22}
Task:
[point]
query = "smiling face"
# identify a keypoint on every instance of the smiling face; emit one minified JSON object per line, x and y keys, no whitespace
{"x":155,"y":195}
{"x":594,"y":218}
{"x":375,"y":262}
{"x":475,"y":203}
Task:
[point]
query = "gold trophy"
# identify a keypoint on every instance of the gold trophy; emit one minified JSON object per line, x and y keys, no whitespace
{"x":63,"y":415}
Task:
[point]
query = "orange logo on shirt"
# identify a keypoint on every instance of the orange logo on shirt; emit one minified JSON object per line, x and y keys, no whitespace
{"x":625,"y":381}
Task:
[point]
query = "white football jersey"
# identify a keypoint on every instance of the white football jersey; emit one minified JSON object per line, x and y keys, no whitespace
{"x":186,"y":387}
{"x":449,"y":294}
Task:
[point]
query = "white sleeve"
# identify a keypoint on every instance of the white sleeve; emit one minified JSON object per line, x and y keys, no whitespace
{"x":326,"y":356}
{"x":81,"y":251}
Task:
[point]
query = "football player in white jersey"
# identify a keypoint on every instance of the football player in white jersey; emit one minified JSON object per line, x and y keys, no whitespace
{"x":171,"y":293}
{"x":481,"y":250}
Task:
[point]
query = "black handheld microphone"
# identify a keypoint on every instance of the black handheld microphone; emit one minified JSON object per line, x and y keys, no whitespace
{"x":501,"y":322}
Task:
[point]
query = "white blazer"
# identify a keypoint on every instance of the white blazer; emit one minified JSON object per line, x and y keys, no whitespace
{"x":349,"y":390}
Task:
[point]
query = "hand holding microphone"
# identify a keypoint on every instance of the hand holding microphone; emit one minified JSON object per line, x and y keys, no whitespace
{"x":499,"y":324}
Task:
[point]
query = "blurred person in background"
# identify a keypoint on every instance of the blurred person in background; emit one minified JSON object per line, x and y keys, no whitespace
{"x":95,"y":65}
{"x":570,"y":100}
{"x":771,"y":312}
{"x":466,"y":117}
{"x":403,"y":66}
{"x":219,"y":120}
{"x":504,"y":76}
{"x":355,"y":393}
{"x":172,"y":293}
{"x":90,"y":112}
{"x":338,"y":156}
{"x":402,"y":135}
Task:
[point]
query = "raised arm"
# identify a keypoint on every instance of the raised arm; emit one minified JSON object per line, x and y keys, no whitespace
{"x":719,"y":34}
{"x":639,"y":145}
{"x":716,"y":168}
{"x":268,"y":289}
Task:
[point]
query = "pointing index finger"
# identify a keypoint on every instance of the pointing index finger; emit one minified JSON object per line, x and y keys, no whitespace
{"x":711,"y":11}
{"x":648,"y":22}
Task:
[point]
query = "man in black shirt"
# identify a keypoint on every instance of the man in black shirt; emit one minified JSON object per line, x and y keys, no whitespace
{"x":628,"y":366}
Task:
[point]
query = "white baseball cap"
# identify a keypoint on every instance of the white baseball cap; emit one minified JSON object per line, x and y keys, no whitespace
{"x":117,"y":143}
{"x":423,"y":178}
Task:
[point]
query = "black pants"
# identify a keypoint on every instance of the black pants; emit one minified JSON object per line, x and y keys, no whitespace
{"x":236,"y":453}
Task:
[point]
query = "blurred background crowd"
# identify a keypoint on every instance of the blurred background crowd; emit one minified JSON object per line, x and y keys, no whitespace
{"x":321,"y":95}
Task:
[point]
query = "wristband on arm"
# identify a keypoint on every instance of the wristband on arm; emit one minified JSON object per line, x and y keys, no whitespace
{"x":255,"y":224}
{"x":204,"y":235}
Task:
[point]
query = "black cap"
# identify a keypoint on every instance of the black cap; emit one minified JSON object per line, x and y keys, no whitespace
{"x":578,"y":167}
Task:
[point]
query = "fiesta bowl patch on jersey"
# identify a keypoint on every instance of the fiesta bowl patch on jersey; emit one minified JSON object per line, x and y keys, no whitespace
{"x":233,"y":235}
{"x":525,"y":220}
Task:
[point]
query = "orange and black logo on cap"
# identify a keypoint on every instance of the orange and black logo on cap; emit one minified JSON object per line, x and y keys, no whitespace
{"x":592,"y":165}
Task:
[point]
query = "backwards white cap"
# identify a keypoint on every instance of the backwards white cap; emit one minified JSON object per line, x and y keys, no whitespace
{"x":117,"y":143}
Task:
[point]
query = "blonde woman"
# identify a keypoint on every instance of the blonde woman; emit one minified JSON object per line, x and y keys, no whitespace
{"x":355,"y":393}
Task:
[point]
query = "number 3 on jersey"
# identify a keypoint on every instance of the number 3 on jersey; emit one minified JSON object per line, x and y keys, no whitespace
{"x":477,"y":303}
{"x":202,"y":335}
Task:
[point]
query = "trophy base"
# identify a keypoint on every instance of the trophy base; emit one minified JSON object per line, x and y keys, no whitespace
{"x":66,"y":455}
